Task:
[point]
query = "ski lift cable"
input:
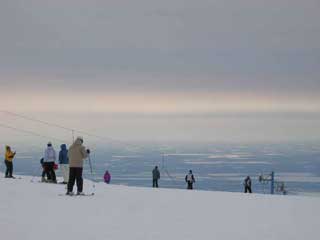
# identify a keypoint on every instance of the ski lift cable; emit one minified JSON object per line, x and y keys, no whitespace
{"x":87,"y":133}
{"x":63,"y":128}
{"x":28,"y":132}
{"x":67,"y":128}
{"x":36,"y":120}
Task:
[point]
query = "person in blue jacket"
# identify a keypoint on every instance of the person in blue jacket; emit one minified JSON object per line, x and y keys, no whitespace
{"x":64,"y":163}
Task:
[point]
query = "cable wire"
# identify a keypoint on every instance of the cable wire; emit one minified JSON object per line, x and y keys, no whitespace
{"x":29,"y":132}
{"x":69,"y":129}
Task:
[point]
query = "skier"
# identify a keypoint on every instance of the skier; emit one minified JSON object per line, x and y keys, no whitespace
{"x":190,"y":180}
{"x":8,"y":162}
{"x":107,"y":177}
{"x":64,"y":163}
{"x":49,"y":161}
{"x":77,"y":153}
{"x":155,"y":177}
{"x":247,"y":185}
{"x":44,"y":172}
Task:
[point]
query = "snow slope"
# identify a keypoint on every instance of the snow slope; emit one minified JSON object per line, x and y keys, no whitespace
{"x":35,"y":211}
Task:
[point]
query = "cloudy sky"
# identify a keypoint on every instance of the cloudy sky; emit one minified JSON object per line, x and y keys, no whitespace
{"x":178,"y":57}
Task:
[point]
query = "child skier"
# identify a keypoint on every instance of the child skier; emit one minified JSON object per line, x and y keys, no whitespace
{"x":44,"y":172}
{"x":107,"y":177}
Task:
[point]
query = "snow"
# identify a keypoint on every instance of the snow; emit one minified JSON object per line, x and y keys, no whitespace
{"x":33,"y":210}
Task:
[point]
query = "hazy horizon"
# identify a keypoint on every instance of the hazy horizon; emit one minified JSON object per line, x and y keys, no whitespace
{"x":163,"y":70}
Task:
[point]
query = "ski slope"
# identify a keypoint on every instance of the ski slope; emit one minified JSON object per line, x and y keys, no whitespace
{"x":32,"y":211}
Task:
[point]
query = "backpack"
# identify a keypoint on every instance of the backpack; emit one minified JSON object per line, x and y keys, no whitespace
{"x":55,"y":166}
{"x":190,"y":177}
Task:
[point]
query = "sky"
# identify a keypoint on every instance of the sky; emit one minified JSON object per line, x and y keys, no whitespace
{"x":252,"y":62}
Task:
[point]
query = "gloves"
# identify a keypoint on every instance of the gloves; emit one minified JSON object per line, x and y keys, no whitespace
{"x":88,"y":151}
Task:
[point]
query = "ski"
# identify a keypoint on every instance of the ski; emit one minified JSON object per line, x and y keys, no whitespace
{"x":77,"y":195}
{"x":13,"y":178}
{"x":44,"y":182}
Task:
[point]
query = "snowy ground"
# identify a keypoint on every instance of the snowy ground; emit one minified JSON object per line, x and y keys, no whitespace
{"x":36,"y":211}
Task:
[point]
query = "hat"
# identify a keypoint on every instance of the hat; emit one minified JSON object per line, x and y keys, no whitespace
{"x":79,"y":138}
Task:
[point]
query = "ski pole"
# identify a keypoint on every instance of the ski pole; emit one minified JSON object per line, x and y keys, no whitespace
{"x":92,"y":175}
{"x":90,"y":164}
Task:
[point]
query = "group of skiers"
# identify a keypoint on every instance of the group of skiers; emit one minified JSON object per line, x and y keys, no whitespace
{"x":71,"y":165}
{"x":70,"y":161}
{"x":48,"y":163}
{"x":190,"y":180}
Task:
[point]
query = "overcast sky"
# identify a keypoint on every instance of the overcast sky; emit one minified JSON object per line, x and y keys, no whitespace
{"x":169,"y":56}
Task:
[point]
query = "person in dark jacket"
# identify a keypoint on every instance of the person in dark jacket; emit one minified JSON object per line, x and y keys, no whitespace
{"x":64,"y":163}
{"x":44,"y":172}
{"x":190,"y":180}
{"x":247,"y":185}
{"x":155,"y":177}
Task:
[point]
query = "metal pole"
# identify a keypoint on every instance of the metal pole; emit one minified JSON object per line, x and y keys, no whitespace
{"x":72,"y":136}
{"x":162,"y":161}
{"x":272,"y":183}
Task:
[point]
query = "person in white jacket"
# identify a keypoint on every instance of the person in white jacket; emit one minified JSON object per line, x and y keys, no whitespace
{"x":49,"y":161}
